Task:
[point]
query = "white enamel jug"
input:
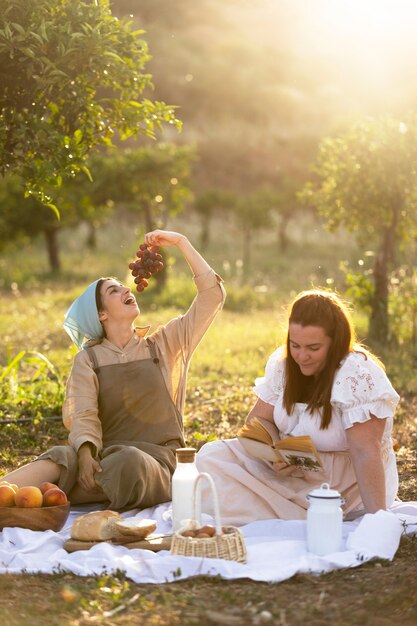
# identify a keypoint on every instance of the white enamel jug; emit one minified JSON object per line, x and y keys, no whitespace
{"x":324,"y":520}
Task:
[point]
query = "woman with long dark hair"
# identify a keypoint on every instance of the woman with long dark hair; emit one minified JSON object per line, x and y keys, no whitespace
{"x":324,"y":384}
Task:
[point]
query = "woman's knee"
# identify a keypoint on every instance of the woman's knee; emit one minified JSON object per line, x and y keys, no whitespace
{"x":210,"y":451}
{"x":129,"y":459}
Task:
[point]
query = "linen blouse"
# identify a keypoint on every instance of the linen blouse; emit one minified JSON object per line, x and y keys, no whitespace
{"x":360,"y":388}
{"x":174,"y":344}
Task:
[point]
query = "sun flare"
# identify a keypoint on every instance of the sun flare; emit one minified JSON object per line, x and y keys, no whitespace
{"x":362,"y":51}
{"x":373,"y":26}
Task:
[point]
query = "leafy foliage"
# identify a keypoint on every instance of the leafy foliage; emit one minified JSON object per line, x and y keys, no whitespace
{"x":403,"y":304}
{"x":151,"y":181}
{"x":365,"y":181}
{"x":71,"y":77}
{"x":369,"y":171}
{"x":30,"y":386}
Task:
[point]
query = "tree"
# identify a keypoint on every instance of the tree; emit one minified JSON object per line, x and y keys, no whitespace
{"x":79,"y":201}
{"x":206,"y":204}
{"x":150,"y":182}
{"x":252,"y":214}
{"x":366,"y":181}
{"x":153,"y":181}
{"x":71,"y":79}
{"x":284,"y":205}
{"x":15,"y":225}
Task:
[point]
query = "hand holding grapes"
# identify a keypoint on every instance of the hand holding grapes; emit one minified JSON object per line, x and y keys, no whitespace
{"x":149,"y":262}
{"x":142,"y":271}
{"x":164,"y":238}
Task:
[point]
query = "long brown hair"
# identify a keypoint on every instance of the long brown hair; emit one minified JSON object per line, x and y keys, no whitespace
{"x":326,"y":310}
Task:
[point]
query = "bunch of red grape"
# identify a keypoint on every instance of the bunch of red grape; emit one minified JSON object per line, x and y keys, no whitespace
{"x":149,"y":262}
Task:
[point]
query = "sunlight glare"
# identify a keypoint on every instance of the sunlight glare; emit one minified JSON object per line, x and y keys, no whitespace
{"x":368,"y":47}
{"x":374,"y":21}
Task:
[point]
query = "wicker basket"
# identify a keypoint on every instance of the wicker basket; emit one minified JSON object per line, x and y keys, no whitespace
{"x":228,"y":542}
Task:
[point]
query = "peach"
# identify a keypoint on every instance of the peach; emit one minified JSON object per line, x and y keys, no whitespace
{"x":54,"y":497}
{"x":6,"y":495}
{"x":28,"y":497}
{"x":45,"y":486}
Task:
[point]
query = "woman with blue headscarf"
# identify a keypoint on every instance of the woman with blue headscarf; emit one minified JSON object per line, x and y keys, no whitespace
{"x":126,"y":392}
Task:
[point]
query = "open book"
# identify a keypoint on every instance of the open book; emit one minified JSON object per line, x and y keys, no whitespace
{"x":299,"y":451}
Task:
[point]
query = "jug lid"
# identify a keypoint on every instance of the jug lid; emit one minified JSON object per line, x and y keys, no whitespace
{"x":185,"y":455}
{"x":324,"y":491}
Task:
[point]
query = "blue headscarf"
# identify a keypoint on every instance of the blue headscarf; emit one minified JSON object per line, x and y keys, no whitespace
{"x":81,"y":319}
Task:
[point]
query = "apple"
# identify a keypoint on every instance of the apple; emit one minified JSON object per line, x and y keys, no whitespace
{"x":54,"y":497}
{"x":45,"y":486}
{"x":6,"y":495}
{"x":28,"y":497}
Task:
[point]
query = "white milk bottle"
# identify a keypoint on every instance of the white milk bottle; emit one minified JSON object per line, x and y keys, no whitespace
{"x":183,"y":481}
{"x":324,"y":520}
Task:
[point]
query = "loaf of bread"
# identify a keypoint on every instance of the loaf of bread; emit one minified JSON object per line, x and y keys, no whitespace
{"x":139,"y":528}
{"x":96,"y":526}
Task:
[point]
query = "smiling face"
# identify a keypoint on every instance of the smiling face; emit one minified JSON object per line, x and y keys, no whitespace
{"x":118,"y":302}
{"x":309,"y":347}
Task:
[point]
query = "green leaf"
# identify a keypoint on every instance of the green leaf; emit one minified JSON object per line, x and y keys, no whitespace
{"x":19,"y":28}
{"x":113,"y":55}
{"x":87,"y":172}
{"x":28,"y":52}
{"x":12,"y":365}
{"x":54,"y":209}
{"x":78,"y":135}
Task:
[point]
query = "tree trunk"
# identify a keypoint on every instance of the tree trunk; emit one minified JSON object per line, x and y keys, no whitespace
{"x":246,"y":253}
{"x":205,"y":231}
{"x":51,"y":238}
{"x":282,"y":232}
{"x":91,"y":241}
{"x":378,"y":323}
{"x":161,"y":277}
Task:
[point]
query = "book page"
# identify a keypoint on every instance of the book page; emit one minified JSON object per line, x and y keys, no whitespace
{"x":259,"y":449}
{"x":255,"y":430}
{"x":303,"y":443}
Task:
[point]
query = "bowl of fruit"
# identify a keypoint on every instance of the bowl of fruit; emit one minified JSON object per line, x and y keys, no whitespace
{"x":36,"y":508}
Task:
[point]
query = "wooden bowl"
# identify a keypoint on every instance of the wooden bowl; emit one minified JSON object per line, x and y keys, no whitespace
{"x":42,"y":518}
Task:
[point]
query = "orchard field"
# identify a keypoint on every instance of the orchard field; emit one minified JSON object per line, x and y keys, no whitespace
{"x":231,"y":355}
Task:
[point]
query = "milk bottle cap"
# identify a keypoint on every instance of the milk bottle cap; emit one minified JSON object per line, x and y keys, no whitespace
{"x":324,"y":491}
{"x":185,"y":455}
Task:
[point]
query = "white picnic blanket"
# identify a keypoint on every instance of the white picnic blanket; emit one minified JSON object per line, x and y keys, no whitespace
{"x":276,"y":549}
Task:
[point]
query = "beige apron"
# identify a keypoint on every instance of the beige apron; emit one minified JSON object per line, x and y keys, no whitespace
{"x":141,"y":429}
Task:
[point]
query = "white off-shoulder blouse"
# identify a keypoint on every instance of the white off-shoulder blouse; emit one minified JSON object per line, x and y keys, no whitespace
{"x":361,"y":388}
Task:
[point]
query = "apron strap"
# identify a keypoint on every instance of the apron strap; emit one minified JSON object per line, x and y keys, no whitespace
{"x":94,"y":362}
{"x":93,"y":358}
{"x":152,"y":350}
